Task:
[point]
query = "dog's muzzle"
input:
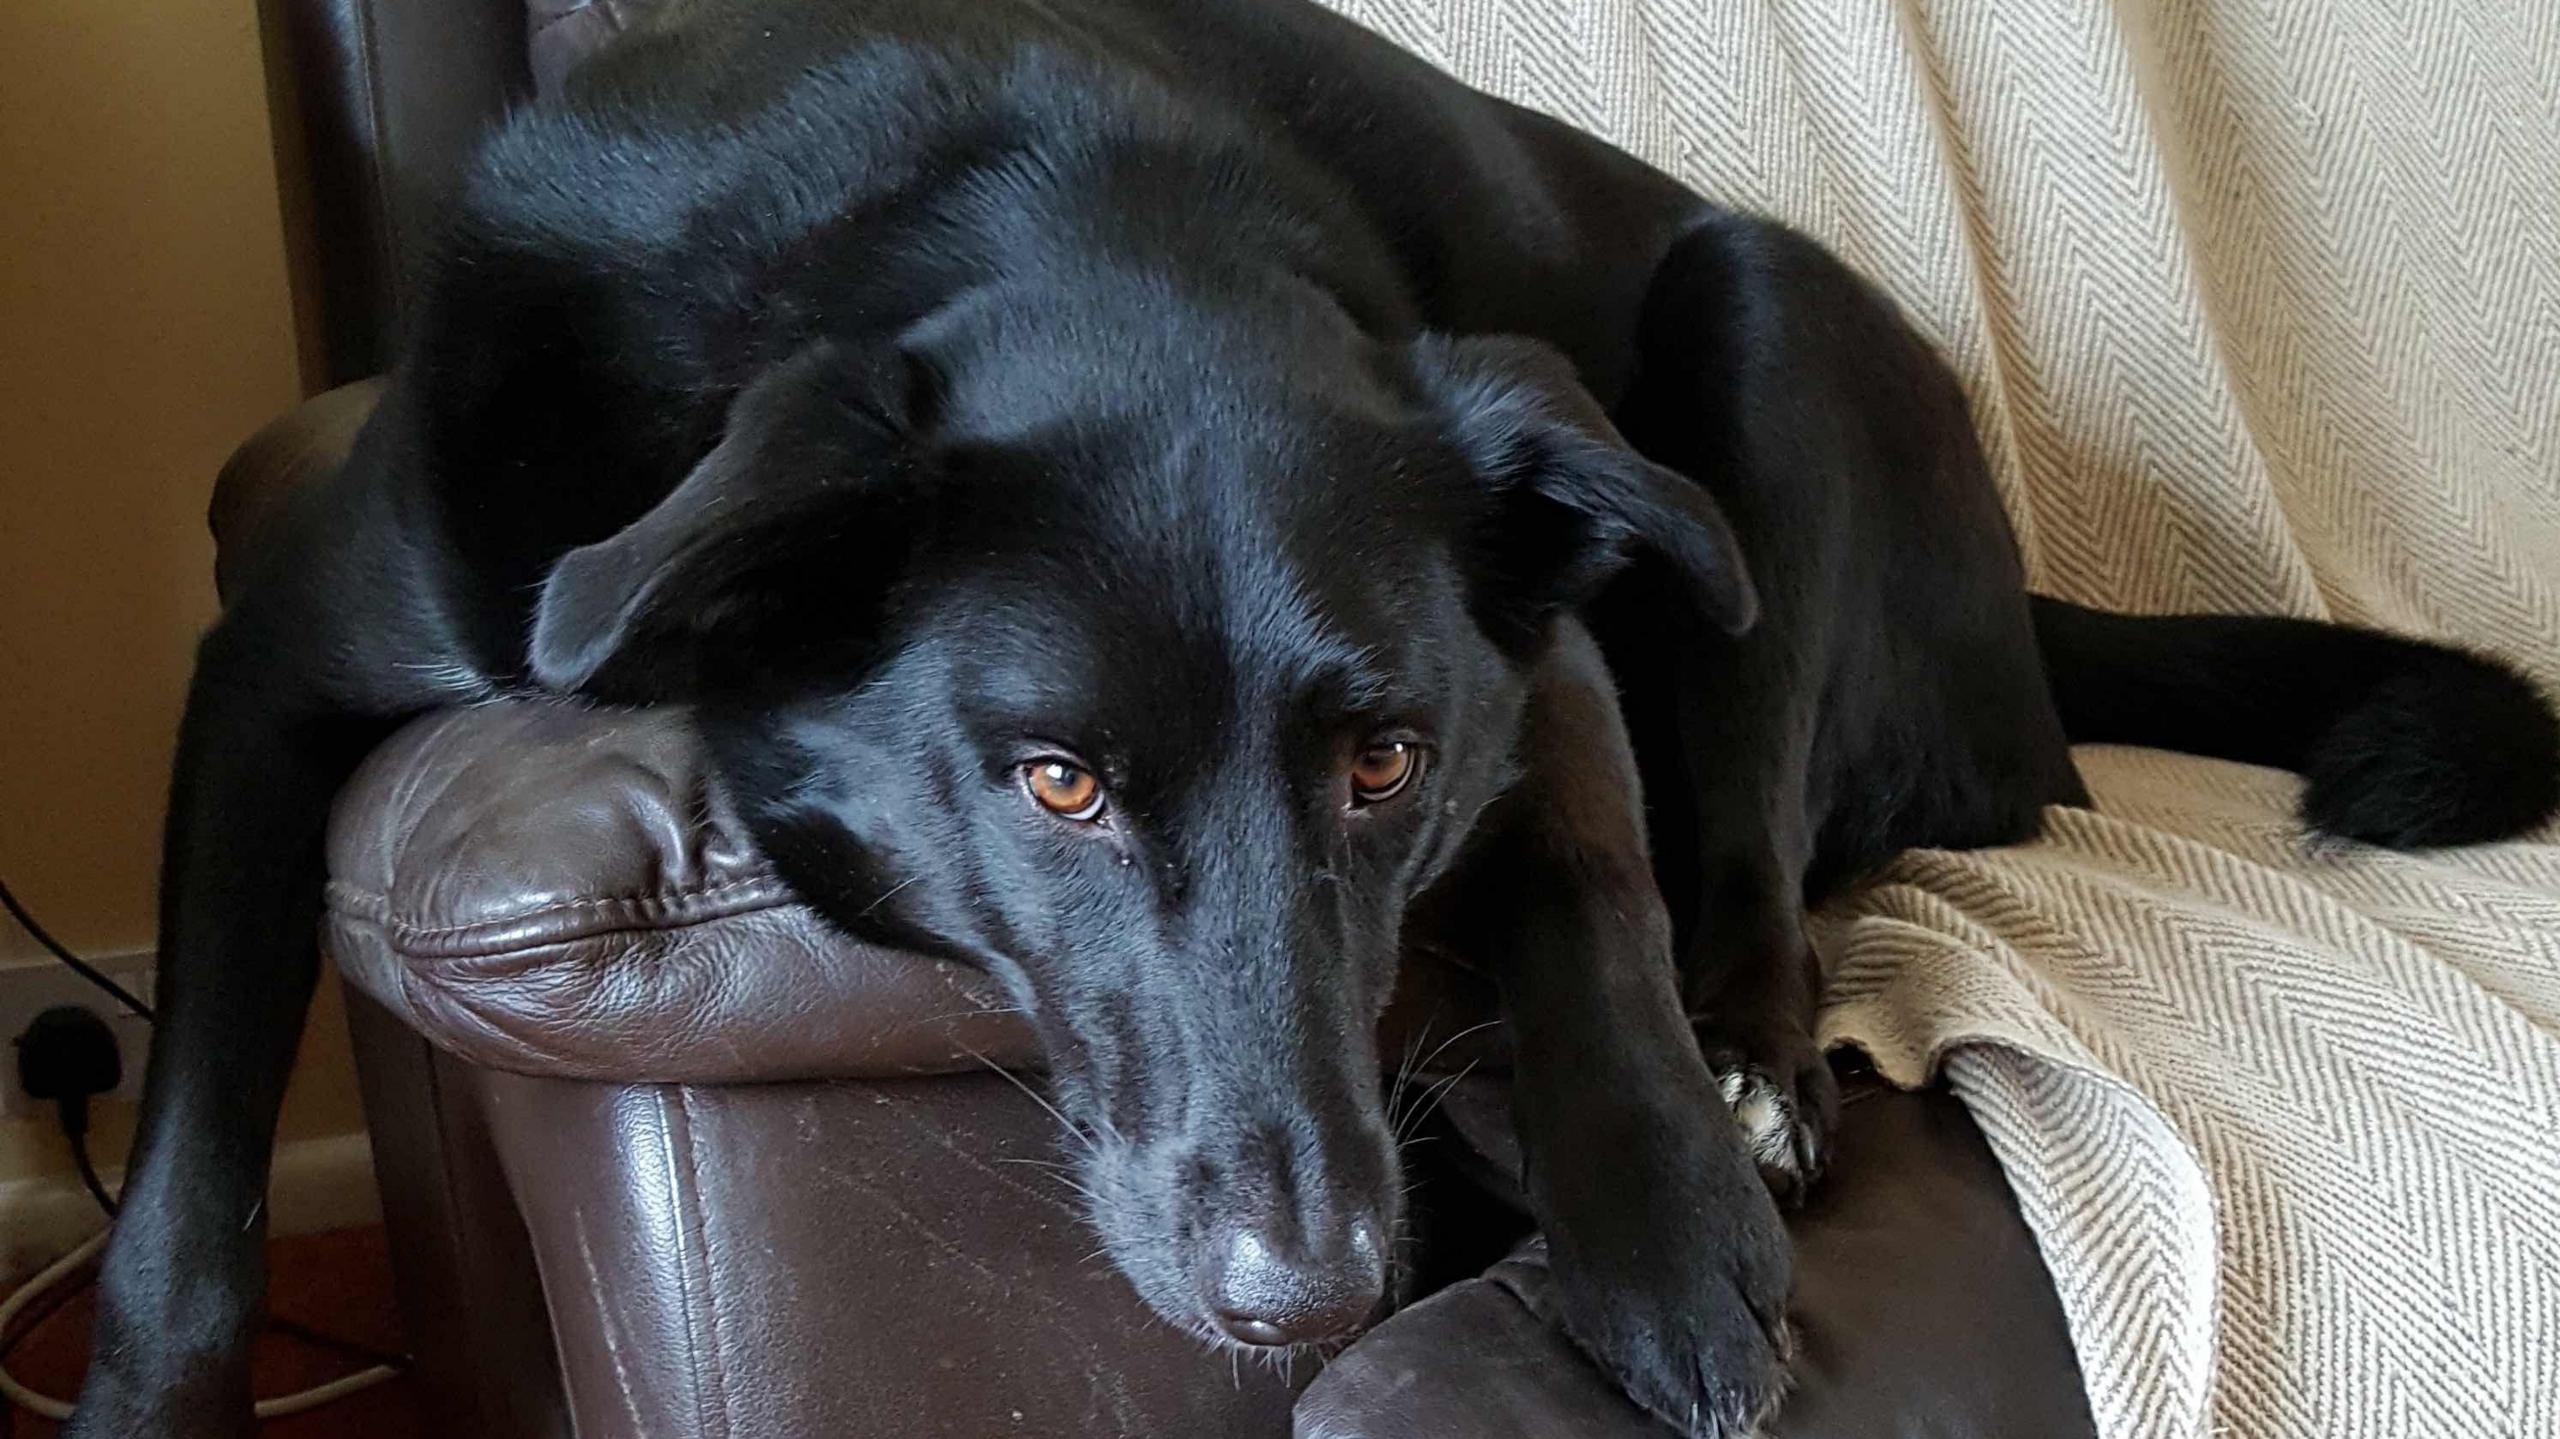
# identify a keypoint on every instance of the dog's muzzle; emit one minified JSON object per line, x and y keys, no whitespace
{"x":1265,"y":1294}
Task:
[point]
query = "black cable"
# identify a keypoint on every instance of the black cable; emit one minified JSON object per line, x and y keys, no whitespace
{"x":79,"y":966}
{"x":75,"y":1130}
{"x":89,"y":1171}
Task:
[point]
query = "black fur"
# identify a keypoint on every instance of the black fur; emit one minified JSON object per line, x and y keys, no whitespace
{"x":1210,"y":396}
{"x":2401,"y":743}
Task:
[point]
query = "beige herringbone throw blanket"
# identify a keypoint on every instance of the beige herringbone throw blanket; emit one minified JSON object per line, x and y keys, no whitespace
{"x":2259,"y":304}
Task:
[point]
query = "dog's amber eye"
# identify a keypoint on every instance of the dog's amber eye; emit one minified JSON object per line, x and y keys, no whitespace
{"x":1381,"y":771}
{"x":1064,"y":789}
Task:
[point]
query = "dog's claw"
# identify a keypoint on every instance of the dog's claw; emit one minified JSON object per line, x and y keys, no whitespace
{"x":1786,"y":1103}
{"x":1767,"y":1115}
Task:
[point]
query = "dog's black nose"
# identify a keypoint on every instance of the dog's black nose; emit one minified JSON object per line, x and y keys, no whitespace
{"x":1266,"y":1298}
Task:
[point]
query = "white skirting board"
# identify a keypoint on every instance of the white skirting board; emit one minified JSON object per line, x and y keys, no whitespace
{"x":322,"y":1183}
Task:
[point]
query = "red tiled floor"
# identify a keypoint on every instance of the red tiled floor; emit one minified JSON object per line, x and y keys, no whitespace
{"x":338,"y":1283}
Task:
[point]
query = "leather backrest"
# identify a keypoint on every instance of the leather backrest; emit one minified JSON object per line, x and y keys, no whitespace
{"x":375,"y":103}
{"x":375,"y":106}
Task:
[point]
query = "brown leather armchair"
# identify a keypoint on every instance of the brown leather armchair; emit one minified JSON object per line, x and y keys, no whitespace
{"x":661,"y":1155}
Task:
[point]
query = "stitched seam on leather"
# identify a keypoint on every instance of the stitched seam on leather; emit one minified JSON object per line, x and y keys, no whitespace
{"x":440,"y":1136}
{"x":611,"y":914}
{"x":679,"y":1235}
{"x":702,"y":1337}
{"x":374,"y":905}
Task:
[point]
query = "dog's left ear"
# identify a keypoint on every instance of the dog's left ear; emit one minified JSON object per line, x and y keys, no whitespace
{"x":1573,"y":502}
{"x":767,"y":550}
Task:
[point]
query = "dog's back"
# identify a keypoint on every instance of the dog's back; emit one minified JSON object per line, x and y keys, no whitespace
{"x":730,"y":175}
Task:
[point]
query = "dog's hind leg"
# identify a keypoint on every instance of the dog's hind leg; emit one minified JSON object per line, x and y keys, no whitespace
{"x":1724,"y":732}
{"x":1671,"y":1264}
{"x":1889,"y":695}
{"x":324,"y":648}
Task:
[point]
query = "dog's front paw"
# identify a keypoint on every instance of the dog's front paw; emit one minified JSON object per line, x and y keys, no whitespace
{"x":1711,"y":1363}
{"x":1680,"y":1296}
{"x":1786,"y":1101}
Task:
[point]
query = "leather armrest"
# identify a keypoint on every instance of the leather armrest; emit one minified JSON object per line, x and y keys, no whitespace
{"x":296,"y":449}
{"x":547,"y":888}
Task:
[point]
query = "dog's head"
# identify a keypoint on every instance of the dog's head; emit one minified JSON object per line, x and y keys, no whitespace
{"x":1157,"y":691}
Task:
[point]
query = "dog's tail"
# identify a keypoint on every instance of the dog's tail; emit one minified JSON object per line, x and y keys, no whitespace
{"x":2401,"y":742}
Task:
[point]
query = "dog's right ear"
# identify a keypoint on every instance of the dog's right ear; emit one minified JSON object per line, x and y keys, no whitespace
{"x":1572,"y":501}
{"x":758,"y":550}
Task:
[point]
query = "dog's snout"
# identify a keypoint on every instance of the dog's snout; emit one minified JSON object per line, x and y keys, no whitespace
{"x":1271,"y":1295}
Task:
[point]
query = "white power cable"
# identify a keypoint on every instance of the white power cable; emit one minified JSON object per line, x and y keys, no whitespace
{"x":48,"y":1407}
{"x":45,"y":1405}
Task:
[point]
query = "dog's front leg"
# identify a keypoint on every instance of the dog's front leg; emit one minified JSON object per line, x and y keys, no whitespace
{"x":184,"y":1275}
{"x":290,"y":689}
{"x":1672,"y":1265}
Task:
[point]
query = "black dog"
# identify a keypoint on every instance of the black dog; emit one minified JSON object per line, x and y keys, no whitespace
{"x":1123,"y":483}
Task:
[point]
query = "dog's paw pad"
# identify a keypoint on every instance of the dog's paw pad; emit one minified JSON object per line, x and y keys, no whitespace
{"x":1767,"y":1114}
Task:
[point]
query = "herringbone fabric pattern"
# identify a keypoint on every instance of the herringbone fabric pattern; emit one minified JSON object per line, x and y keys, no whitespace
{"x":2259,"y":305}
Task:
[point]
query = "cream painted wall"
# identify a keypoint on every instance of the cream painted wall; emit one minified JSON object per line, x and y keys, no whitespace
{"x":145,"y":328}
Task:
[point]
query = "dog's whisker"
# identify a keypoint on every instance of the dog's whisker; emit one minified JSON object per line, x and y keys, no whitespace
{"x":1055,"y":1166}
{"x":1443,"y":1047}
{"x":975,"y":1012}
{"x":1036,"y":1097}
{"x":1109,"y":1128}
{"x":1404,"y":1068}
{"x":1058,"y":1172}
{"x":887,"y":895}
{"x":1414,"y":1042}
{"x":1404,"y":1124}
{"x":1431,"y":1100}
